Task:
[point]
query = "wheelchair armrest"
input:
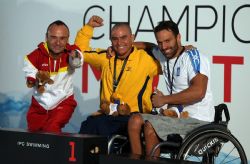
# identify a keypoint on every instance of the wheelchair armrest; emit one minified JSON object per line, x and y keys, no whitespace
{"x":218,"y":113}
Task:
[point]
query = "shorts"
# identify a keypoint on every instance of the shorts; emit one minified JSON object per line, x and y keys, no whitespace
{"x":164,"y":126}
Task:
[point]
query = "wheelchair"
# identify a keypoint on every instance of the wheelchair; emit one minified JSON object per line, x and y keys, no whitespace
{"x":118,"y":144}
{"x":210,"y":143}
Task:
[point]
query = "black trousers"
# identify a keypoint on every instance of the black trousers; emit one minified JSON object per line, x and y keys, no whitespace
{"x":105,"y":125}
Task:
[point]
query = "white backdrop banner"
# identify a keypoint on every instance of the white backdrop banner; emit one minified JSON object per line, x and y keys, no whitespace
{"x":219,"y":29}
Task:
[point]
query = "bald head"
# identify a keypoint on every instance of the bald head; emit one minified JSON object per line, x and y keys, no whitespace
{"x":122,"y":39}
{"x":121,"y":25}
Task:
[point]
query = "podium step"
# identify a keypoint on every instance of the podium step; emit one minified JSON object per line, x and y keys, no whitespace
{"x":22,"y":147}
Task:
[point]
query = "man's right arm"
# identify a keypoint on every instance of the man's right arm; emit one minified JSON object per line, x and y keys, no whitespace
{"x":30,"y":69}
{"x":86,"y":32}
{"x":82,"y":40}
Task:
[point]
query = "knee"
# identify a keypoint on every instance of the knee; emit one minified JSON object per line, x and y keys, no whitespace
{"x":135,"y":122}
{"x":148,"y":129}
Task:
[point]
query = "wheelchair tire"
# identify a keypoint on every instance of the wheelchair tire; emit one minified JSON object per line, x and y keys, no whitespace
{"x":212,"y":146}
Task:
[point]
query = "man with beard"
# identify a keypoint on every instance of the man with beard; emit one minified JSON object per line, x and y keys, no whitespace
{"x":187,"y":77}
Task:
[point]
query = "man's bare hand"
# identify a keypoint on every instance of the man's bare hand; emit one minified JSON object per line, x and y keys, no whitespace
{"x":157,"y":98}
{"x":95,"y":21}
{"x":75,"y":54}
{"x":110,"y":52}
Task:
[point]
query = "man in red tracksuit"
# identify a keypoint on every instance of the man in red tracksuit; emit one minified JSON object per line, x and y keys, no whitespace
{"x":51,"y":110}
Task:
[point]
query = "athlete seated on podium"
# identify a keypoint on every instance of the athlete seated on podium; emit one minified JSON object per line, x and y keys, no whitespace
{"x":128,"y":75}
{"x":187,"y":77}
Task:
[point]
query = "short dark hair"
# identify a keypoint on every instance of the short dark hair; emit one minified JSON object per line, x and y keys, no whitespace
{"x":167,"y":25}
{"x":58,"y":23}
{"x":120,"y":24}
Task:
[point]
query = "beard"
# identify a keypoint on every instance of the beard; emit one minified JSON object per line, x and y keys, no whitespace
{"x":171,"y":52}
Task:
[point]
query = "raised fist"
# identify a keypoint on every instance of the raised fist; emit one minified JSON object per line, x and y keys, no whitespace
{"x":95,"y":21}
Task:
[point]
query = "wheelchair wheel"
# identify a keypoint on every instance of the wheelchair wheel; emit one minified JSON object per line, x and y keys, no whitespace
{"x":213,"y":147}
{"x":118,"y":144}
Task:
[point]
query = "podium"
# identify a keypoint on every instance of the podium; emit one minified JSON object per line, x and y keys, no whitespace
{"x":22,"y":147}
